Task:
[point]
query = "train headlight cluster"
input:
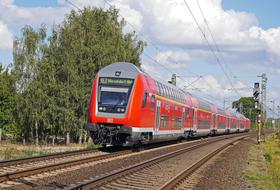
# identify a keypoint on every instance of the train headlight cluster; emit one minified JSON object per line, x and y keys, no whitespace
{"x":120,"y":110}
{"x":102,"y":108}
{"x":111,"y":109}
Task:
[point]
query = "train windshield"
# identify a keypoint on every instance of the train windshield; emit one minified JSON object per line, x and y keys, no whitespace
{"x":113,"y":96}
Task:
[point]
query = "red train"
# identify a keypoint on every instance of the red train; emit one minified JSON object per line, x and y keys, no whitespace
{"x":128,"y":107}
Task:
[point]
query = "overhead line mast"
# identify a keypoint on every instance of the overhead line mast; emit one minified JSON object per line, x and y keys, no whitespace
{"x":155,"y":46}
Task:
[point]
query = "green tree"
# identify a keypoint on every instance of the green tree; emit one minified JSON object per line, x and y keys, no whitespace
{"x":248,"y":106}
{"x":27,"y":54}
{"x":7,"y":102}
{"x":53,"y":74}
{"x":84,"y":43}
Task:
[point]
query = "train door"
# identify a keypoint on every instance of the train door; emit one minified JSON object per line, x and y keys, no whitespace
{"x":157,"y":121}
{"x":228,"y":124}
{"x":216,"y":121}
{"x":213,"y":121}
{"x":194,"y":119}
{"x":183,"y":118}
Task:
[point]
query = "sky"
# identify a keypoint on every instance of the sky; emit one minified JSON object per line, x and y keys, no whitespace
{"x":242,"y":40}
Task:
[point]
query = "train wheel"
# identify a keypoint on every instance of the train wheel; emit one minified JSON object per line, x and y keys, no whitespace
{"x":137,"y":146}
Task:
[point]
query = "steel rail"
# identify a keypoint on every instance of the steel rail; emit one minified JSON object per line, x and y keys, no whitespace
{"x":175,"y":181}
{"x":101,"y":180}
{"x":5,"y":163}
{"x":51,"y":167}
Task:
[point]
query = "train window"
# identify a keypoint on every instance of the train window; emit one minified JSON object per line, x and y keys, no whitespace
{"x":165,"y":91}
{"x":153,"y":102}
{"x":178,"y":122}
{"x":169,"y":92}
{"x":163,"y":121}
{"x":173,"y":121}
{"x":233,"y":125}
{"x":187,"y":112}
{"x":203,"y":124}
{"x":160,"y":88}
{"x":221,"y":125}
{"x":144,"y":101}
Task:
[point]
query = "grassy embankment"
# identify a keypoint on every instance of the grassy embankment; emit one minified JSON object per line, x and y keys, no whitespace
{"x":13,"y":151}
{"x":264,"y":164}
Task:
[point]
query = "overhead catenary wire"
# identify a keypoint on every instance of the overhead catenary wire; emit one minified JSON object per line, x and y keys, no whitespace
{"x":156,"y":47}
{"x":210,"y":47}
{"x":212,"y":36}
{"x":214,"y":40}
{"x":152,"y":44}
{"x":73,"y":5}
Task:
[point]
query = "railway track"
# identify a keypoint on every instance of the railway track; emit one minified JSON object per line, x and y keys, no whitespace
{"x":152,"y":173}
{"x":18,"y":168}
{"x":180,"y":180}
{"x":14,"y":162}
{"x":11,"y":170}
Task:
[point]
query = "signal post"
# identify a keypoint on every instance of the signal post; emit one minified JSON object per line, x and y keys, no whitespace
{"x":256,"y":95}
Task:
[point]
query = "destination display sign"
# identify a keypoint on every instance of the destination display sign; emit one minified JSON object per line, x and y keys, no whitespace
{"x":115,"y":81}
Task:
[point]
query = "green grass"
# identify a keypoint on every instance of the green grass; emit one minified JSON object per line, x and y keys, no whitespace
{"x":92,"y":145}
{"x":8,"y":153}
{"x":13,"y":151}
{"x":262,"y":182}
{"x":270,"y":150}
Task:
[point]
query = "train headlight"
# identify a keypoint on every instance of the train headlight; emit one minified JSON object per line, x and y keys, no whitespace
{"x":119,"y":110}
{"x":122,"y":110}
{"x":102,"y":108}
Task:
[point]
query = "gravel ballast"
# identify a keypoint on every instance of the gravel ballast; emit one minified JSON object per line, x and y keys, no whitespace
{"x":225,"y":172}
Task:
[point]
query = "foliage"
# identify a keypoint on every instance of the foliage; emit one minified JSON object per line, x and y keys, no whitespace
{"x":249,"y":110}
{"x":7,"y":102}
{"x":53,"y":74}
{"x":271,"y":152}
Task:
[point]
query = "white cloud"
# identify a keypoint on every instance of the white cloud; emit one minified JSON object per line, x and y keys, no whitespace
{"x":16,"y":16}
{"x":167,"y":23}
{"x":173,"y":59}
{"x":211,"y":88}
{"x":237,"y":33}
{"x":6,"y":37}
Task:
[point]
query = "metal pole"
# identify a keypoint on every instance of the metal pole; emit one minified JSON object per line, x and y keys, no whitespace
{"x":273,"y":112}
{"x":278,"y":108}
{"x":263,"y":99}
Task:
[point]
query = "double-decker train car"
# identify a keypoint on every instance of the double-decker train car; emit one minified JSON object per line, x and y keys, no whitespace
{"x":129,"y":107}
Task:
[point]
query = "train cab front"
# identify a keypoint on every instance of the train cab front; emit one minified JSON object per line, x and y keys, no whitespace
{"x":110,"y":104}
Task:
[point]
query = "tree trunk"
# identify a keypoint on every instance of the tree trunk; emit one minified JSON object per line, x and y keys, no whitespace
{"x":67,"y":138}
{"x":80,"y":137}
{"x":23,"y":140}
{"x":0,"y":135}
{"x":36,"y":134}
{"x":85,"y":137}
{"x":53,"y":139}
{"x":89,"y":140}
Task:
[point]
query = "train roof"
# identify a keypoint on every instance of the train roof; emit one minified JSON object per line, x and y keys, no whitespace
{"x":126,"y":69}
{"x":132,"y":71}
